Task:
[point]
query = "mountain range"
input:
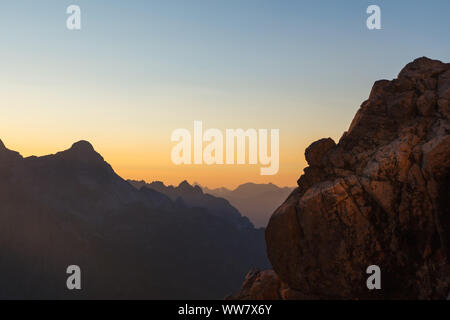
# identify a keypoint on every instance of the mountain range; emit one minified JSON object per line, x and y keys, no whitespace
{"x":256,"y":201}
{"x":71,"y":208}
{"x":193,"y":197}
{"x":249,"y":203}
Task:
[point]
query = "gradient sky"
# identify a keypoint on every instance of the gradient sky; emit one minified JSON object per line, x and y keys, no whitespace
{"x":140,"y":69}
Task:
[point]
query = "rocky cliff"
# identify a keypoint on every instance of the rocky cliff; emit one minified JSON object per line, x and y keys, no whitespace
{"x":378,"y":197}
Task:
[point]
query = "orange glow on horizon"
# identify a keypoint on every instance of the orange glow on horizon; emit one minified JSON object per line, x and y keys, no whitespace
{"x":139,"y":163}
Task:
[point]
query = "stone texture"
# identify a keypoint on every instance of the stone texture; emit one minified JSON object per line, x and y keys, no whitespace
{"x":260,"y":285}
{"x":379,"y":196}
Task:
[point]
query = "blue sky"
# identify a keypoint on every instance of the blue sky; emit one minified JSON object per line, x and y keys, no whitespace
{"x":148,"y":67}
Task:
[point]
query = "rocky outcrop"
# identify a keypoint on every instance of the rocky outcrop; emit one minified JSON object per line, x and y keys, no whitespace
{"x":378,"y":197}
{"x":260,"y":285}
{"x":266,"y":285}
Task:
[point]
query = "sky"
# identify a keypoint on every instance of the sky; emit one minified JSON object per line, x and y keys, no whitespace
{"x":138,"y":70}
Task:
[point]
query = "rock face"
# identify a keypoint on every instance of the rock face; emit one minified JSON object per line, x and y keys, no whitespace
{"x":378,"y":197}
{"x":260,"y":285}
{"x":266,"y":285}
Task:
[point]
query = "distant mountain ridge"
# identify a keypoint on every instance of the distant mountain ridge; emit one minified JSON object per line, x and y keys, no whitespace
{"x":256,"y":201}
{"x":193,"y":196}
{"x":72,"y":208}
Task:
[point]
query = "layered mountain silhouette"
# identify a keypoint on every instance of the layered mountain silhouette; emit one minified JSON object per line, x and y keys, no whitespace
{"x":193,"y":197}
{"x":71,"y":208}
{"x":256,"y":201}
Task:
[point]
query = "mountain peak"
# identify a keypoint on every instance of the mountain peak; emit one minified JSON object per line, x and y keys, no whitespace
{"x":82,"y":151}
{"x":8,"y":154}
{"x":82,"y":146}
{"x":186,"y":187}
{"x":184,"y":184}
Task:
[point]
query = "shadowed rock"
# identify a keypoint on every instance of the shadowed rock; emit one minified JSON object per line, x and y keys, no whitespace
{"x":380,"y":196}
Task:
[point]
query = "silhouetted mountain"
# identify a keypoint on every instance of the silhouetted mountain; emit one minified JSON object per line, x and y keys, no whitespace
{"x":193,"y":197}
{"x":71,"y":208}
{"x":256,"y":201}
